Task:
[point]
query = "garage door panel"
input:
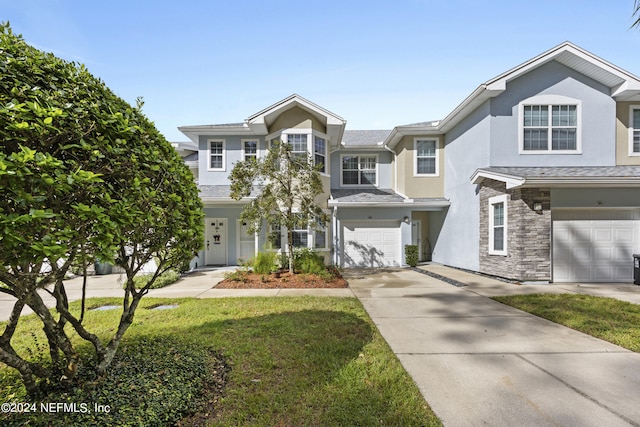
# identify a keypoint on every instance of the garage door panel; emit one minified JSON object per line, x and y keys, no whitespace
{"x":371,"y":243}
{"x":595,"y":245}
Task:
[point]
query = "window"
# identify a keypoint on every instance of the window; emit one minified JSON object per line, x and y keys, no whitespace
{"x":249,"y":149}
{"x":498,"y":225}
{"x":300,"y":234}
{"x":216,"y":154}
{"x":426,"y":162}
{"x":275,"y":236}
{"x":298,"y":143}
{"x":359,"y":170}
{"x":320,"y":153}
{"x":634,"y":131}
{"x":320,"y":235}
{"x":550,"y":128}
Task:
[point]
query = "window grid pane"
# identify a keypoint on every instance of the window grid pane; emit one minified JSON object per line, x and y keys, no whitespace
{"x":564,"y":139}
{"x":320,"y":153}
{"x":358,"y":170}
{"x":426,"y":165}
{"x":216,"y":150}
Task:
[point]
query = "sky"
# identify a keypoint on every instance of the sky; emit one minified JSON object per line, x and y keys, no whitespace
{"x":377,"y":64}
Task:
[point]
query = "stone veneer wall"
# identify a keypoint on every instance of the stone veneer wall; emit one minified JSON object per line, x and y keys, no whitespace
{"x":528,"y":233}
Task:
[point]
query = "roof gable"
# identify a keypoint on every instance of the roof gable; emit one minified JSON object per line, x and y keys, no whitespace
{"x":623,"y":85}
{"x":261,"y":121}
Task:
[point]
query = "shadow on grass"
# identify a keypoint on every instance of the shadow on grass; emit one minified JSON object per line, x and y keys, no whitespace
{"x":293,"y":361}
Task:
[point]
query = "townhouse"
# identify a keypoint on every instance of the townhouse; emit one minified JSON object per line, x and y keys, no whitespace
{"x":535,"y":176}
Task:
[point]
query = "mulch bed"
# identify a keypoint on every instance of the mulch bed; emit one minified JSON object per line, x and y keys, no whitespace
{"x":287,"y":280}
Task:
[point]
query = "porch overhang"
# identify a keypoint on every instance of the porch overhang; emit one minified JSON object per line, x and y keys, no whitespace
{"x":587,"y":176}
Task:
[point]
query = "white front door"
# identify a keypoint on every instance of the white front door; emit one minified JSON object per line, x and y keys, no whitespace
{"x":246,"y":242}
{"x":216,"y":241}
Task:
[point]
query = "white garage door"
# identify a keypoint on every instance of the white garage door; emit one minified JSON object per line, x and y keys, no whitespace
{"x":595,"y":245}
{"x":371,"y":243}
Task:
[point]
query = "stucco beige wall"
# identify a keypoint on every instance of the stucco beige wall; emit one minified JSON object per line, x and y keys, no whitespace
{"x":297,"y":118}
{"x":622,"y":135}
{"x":418,"y":186}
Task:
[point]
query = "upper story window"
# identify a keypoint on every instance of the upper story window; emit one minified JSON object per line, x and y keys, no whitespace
{"x":305,"y":142}
{"x":550,"y":124}
{"x":298,"y":143}
{"x":634,"y":131}
{"x":320,"y":153}
{"x":359,"y":170}
{"x":216,"y":153}
{"x":426,"y":157}
{"x":498,"y":225}
{"x":250,"y":149}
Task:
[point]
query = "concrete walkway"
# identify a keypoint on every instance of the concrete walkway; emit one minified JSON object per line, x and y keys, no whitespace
{"x":478,"y":362}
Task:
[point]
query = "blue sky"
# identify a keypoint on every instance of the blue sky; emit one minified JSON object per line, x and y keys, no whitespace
{"x":377,"y":64}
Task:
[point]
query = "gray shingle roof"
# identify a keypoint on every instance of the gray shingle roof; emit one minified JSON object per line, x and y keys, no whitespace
{"x":219,"y":191}
{"x":364,"y":137}
{"x":193,"y":157}
{"x":567,"y":172}
{"x":366,"y":195}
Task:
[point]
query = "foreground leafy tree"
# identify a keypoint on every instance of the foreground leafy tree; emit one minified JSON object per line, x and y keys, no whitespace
{"x":288,"y":187}
{"x":83,"y":175}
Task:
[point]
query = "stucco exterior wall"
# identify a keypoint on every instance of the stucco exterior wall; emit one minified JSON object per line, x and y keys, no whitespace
{"x":413,"y":185}
{"x":466,"y":149}
{"x":297,"y":118}
{"x":598,"y":118}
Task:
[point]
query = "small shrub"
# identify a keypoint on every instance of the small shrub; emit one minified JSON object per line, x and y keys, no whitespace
{"x":411,"y":254}
{"x":237,"y":275}
{"x":265,"y":262}
{"x":308,"y":261}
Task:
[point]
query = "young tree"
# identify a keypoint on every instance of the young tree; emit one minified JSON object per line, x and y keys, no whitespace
{"x":288,"y":187}
{"x":83,"y":175}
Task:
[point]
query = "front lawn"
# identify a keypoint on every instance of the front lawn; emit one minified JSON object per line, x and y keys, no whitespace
{"x":284,"y":361}
{"x":606,"y":318}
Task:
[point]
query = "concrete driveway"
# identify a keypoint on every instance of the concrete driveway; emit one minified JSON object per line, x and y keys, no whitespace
{"x":478,"y":362}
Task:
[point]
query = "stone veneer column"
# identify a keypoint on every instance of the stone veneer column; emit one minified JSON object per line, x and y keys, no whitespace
{"x":528,"y":233}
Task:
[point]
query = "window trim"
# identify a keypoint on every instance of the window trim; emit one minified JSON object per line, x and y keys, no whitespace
{"x":496,"y":200}
{"x":550,"y":101}
{"x":632,"y":153}
{"x":244,"y":152}
{"x":416,"y":157}
{"x":342,"y":184}
{"x":223,"y":155}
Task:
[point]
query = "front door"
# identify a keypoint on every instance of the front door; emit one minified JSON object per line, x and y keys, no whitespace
{"x":216,"y":241}
{"x":416,"y":236}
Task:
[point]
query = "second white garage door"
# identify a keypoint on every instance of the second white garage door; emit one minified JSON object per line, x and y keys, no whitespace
{"x":595,"y":245}
{"x":371,"y":244}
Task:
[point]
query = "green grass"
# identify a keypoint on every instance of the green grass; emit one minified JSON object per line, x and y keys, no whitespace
{"x":294,"y":361}
{"x":606,"y":318}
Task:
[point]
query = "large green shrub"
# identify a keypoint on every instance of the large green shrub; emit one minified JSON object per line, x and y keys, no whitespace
{"x":83,"y":175}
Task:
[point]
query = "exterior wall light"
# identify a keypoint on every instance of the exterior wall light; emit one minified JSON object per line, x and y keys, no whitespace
{"x":537,"y":206}
{"x":406,"y":220}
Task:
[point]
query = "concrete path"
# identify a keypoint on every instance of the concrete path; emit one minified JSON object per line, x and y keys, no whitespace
{"x":478,"y":362}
